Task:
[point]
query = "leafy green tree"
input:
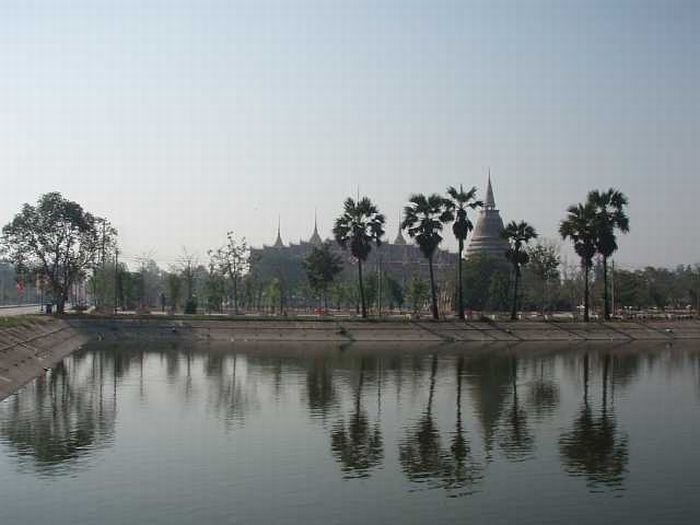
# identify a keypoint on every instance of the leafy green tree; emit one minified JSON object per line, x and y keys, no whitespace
{"x":423,"y":219}
{"x":417,"y":293}
{"x":544,"y":266}
{"x":358,"y":228}
{"x":518,"y":235}
{"x":174,"y":282}
{"x":484,"y":279}
{"x":322,"y":267}
{"x":461,"y":201}
{"x":579,"y":226}
{"x":233,"y":260}
{"x":57,"y":239}
{"x":396,"y":292}
{"x":610,"y":217}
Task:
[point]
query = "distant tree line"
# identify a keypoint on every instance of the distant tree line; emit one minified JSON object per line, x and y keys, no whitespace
{"x":73,"y":256}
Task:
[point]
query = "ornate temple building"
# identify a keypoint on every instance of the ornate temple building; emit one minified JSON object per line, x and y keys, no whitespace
{"x":486,"y":238}
{"x":399,"y":259}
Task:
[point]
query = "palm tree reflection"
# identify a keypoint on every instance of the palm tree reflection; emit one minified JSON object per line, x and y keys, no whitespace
{"x":594,"y":448}
{"x":517,"y":439}
{"x":358,"y":445}
{"x":422,"y":456}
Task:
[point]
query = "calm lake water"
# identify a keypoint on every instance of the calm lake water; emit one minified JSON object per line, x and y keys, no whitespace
{"x":282,"y":434}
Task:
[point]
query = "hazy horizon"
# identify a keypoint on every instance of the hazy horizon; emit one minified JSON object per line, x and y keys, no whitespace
{"x":181,"y":120}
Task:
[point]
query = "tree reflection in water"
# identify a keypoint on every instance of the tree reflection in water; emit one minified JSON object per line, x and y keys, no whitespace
{"x":64,"y":417}
{"x":489,"y":378}
{"x":543,"y":393}
{"x":320,"y":391}
{"x":422,"y":456}
{"x":516,"y":440}
{"x":358,"y":445}
{"x":594,"y":447}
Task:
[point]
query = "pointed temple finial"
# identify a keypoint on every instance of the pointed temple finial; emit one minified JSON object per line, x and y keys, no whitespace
{"x":400,"y":241}
{"x":315,"y":237}
{"x":278,"y":242}
{"x":489,"y":201}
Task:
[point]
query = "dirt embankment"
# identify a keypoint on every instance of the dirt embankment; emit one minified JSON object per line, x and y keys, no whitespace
{"x":399,"y":331}
{"x":29,"y":345}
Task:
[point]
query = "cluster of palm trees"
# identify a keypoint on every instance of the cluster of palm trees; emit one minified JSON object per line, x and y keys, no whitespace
{"x":361,"y":226}
{"x":591,"y":226}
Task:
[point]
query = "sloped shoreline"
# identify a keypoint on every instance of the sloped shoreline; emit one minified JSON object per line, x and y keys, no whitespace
{"x":34,"y":344}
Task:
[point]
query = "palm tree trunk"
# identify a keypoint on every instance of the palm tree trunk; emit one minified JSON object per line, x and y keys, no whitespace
{"x":514,"y":308}
{"x":606,"y":300}
{"x":585,"y":293}
{"x":362,"y":290}
{"x":460,"y":290}
{"x":432,"y":290}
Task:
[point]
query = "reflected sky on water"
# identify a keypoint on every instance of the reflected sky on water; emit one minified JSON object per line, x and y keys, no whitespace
{"x":285,"y":434}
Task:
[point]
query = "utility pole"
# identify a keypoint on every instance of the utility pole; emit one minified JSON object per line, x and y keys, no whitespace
{"x":379,"y":285}
{"x":116,"y":278}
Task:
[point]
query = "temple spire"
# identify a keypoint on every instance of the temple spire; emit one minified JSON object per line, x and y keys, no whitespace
{"x":315,"y":237}
{"x":489,"y":201}
{"x":400,"y":241}
{"x":278,"y":242}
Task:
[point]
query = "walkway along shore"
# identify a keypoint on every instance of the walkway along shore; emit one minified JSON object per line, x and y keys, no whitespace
{"x":30,"y":345}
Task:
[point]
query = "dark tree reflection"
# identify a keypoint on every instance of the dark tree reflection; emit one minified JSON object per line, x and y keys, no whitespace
{"x":422,"y":455}
{"x":357,"y":444}
{"x":594,"y":447}
{"x":517,"y":440}
{"x":489,"y":378}
{"x":543,"y":394}
{"x":320,"y":391}
{"x":461,"y":473}
{"x":64,"y":416}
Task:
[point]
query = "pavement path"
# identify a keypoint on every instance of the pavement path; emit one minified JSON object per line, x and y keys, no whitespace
{"x":13,"y":310}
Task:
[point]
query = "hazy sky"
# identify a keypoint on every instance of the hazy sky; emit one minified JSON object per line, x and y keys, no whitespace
{"x":180,"y":120}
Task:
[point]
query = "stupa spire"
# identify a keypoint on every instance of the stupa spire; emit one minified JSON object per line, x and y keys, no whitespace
{"x":489,"y":201}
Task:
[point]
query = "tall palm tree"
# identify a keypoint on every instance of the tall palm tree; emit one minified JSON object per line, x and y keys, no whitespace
{"x":460,"y":201}
{"x":610,"y":216}
{"x":518,"y":236}
{"x":579,"y":226}
{"x":423,"y":218}
{"x":358,"y":227}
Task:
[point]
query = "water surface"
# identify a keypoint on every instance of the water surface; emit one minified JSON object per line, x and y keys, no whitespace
{"x":281,"y":434}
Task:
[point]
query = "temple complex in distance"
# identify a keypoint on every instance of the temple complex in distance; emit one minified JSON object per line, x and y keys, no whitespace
{"x":487,"y":235}
{"x":401,"y":259}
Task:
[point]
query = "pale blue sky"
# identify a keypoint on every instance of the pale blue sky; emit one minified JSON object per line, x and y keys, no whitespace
{"x":180,"y":120}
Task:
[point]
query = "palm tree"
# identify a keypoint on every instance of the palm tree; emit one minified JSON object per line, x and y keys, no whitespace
{"x":518,"y":236}
{"x":358,"y":227}
{"x":579,"y":226}
{"x":460,"y":201}
{"x":610,"y":216}
{"x":423,"y":218}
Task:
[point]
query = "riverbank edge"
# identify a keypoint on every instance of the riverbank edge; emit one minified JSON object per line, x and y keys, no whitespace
{"x":32,"y":344}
